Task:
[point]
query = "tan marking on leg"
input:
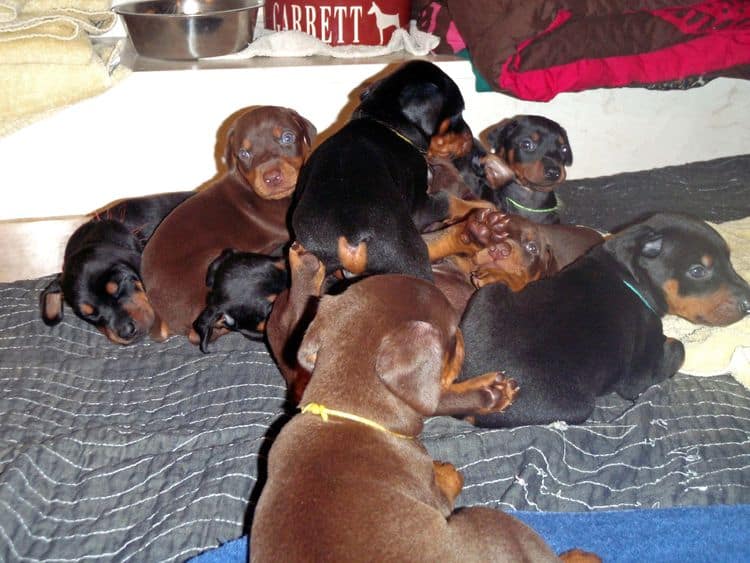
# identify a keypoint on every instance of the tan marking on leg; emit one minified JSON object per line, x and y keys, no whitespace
{"x":352,"y":258}
{"x":448,"y":480}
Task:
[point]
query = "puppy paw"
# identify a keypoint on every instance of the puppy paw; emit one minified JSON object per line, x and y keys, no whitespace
{"x":579,"y":556}
{"x":502,"y":392}
{"x":485,"y":227}
{"x":448,"y":480}
{"x":305,"y":266}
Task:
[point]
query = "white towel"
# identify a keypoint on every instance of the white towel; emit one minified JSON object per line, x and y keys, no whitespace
{"x":299,"y":44}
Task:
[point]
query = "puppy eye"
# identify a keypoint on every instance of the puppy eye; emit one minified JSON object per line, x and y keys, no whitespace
{"x":564,"y":149}
{"x":531,"y":247}
{"x":528,"y":145}
{"x":287,"y":137}
{"x":698,"y":271}
{"x":245,"y":155}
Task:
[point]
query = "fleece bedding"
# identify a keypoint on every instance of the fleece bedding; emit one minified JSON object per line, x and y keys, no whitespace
{"x":156,"y":452}
{"x":533,"y":49}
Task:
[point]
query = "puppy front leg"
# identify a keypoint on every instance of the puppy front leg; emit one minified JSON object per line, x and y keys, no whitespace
{"x":481,"y":228}
{"x":449,"y":481}
{"x":484,"y":394}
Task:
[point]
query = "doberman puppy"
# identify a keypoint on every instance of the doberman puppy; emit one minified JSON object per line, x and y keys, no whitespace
{"x":596,"y":327}
{"x":362,"y":197}
{"x":536,"y":150}
{"x":100,"y":278}
{"x":382,"y":355}
{"x":244,"y":208}
{"x":242,"y":287}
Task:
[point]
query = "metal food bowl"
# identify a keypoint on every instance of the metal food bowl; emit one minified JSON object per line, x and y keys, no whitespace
{"x":189,"y":29}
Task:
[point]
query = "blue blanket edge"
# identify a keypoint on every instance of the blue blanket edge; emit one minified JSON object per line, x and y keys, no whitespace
{"x":719,"y":533}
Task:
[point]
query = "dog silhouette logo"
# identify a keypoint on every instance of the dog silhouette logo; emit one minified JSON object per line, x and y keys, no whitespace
{"x":383,"y":20}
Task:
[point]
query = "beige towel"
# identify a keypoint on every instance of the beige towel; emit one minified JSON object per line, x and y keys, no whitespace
{"x":21,"y":19}
{"x":718,"y":350}
{"x":47,"y":59}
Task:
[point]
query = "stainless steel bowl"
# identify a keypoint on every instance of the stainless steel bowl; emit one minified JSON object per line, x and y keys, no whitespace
{"x":189,"y":29}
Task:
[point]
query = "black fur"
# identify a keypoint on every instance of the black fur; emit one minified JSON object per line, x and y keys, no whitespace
{"x":368,"y":182}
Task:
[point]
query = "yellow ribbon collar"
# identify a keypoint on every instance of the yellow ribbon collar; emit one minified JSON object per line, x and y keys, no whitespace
{"x":324,"y":412}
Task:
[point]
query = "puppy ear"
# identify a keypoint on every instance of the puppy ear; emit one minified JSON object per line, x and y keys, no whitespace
{"x":215,"y":264}
{"x":229,"y":151}
{"x":632,"y":243}
{"x":51,"y":302}
{"x":495,"y":136}
{"x":310,"y":132}
{"x":412,"y":372}
{"x":568,"y":157}
{"x":204,"y":325}
{"x":422,"y":105}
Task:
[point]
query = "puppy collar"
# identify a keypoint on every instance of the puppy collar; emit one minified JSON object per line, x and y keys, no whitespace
{"x":399,"y":135}
{"x":517,"y":205}
{"x":324,"y":412}
{"x":634,"y":289}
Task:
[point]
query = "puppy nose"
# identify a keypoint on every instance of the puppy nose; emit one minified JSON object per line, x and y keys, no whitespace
{"x":127,"y":330}
{"x":552,"y":173}
{"x":745,"y":306}
{"x":273,"y":177}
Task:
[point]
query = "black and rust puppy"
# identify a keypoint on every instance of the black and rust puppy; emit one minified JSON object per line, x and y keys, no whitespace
{"x":595,"y":327}
{"x":536,"y":150}
{"x":362,"y":196}
{"x":242,"y":287}
{"x":100,"y":278}
{"x":100,"y":281}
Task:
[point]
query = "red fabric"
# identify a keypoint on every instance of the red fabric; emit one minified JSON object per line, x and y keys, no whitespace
{"x":717,"y":37}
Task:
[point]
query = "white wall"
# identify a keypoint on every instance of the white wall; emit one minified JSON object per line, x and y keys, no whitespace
{"x":156,"y":130}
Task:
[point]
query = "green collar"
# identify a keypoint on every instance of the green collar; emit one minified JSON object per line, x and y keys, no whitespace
{"x":532,"y":210}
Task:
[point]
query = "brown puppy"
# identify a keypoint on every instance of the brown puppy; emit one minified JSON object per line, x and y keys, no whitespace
{"x":244,"y":209}
{"x":348,"y":478}
{"x":510,"y":249}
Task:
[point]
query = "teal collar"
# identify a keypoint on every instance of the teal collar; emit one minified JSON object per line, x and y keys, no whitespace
{"x":634,"y":289}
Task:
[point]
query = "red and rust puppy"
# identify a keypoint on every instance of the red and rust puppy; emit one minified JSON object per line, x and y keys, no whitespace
{"x":362,"y":197}
{"x":101,"y":278}
{"x":244,"y":209}
{"x":490,"y":247}
{"x":536,"y":150}
{"x":242,"y":287}
{"x":382,"y":355}
{"x":595,"y":327}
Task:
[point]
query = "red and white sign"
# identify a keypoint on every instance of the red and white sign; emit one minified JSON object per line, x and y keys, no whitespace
{"x":363,"y":22}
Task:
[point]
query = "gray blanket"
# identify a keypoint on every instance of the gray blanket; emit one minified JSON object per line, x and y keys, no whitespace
{"x":154,"y":452}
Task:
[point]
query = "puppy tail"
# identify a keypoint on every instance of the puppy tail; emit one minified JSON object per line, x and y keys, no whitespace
{"x":353,"y":257}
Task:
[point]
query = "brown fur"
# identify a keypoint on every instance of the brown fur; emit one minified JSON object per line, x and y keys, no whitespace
{"x":244,"y":209}
{"x":386,"y":349}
